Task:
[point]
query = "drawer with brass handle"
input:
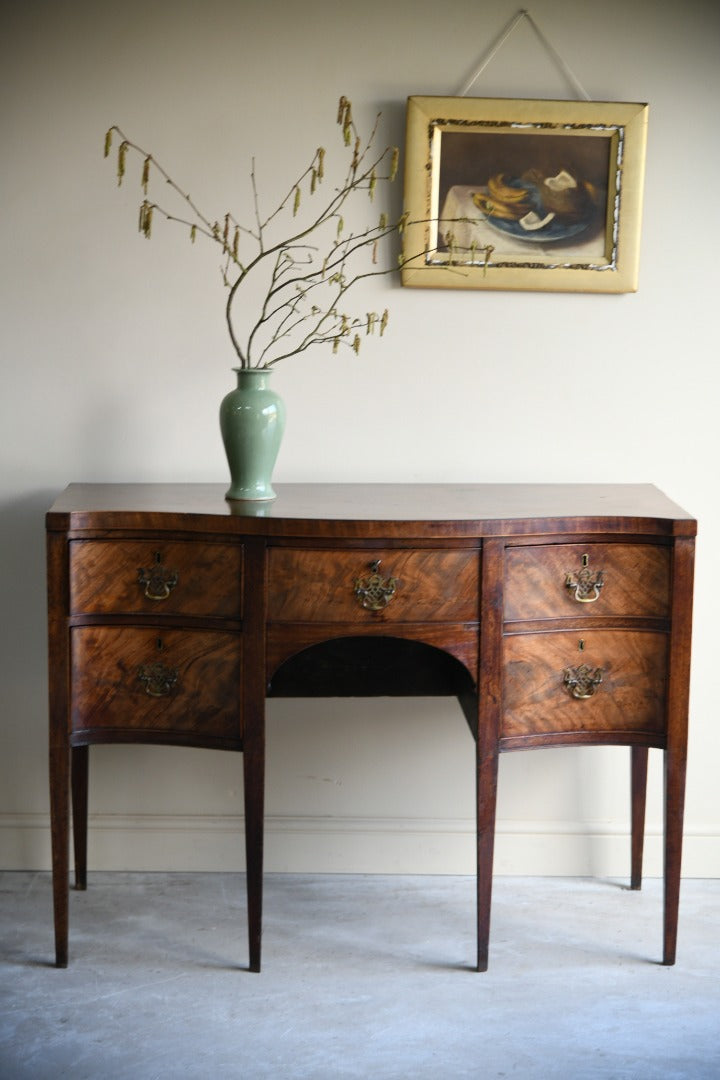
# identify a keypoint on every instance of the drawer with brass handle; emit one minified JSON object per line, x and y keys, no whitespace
{"x":399,"y":585}
{"x":157,"y":577}
{"x":148,"y":680}
{"x":555,"y":581}
{"x":596,"y":681}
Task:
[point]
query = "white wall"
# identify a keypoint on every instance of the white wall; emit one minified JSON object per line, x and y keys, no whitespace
{"x":115,"y":358}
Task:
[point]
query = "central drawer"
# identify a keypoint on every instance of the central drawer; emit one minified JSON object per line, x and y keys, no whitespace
{"x":359,"y":586}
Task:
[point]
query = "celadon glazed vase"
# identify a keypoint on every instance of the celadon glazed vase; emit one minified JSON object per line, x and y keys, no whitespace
{"x":252,"y":421}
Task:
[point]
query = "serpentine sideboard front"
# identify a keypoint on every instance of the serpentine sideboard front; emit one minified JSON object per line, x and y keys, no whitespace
{"x":556,"y":614}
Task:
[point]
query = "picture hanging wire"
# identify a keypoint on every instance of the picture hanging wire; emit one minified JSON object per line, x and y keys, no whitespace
{"x":502,"y":38}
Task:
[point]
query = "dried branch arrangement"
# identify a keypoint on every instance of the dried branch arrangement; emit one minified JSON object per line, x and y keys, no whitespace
{"x":306,"y":276}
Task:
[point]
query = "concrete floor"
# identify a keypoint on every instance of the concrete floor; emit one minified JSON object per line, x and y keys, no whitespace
{"x":364,"y":977}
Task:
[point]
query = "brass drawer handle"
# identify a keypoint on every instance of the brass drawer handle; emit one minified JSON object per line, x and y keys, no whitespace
{"x":582,"y":682}
{"x":585,"y":585}
{"x":157,"y":679}
{"x":158,"y":581}
{"x":373,"y":591}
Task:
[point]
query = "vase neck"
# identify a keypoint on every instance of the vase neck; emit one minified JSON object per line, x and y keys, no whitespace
{"x":256,"y":377}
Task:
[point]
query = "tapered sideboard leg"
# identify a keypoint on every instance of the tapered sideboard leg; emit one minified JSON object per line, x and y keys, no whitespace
{"x":254,"y":769}
{"x":676,"y":752}
{"x":674,"y":805}
{"x":488,"y":729}
{"x":487,"y":771}
{"x":79,"y":784}
{"x":638,"y":795}
{"x":253,"y":720}
{"x":59,"y":826}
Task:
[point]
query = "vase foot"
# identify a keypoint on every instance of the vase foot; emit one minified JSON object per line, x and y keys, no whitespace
{"x":247,"y":508}
{"x":234,"y":497}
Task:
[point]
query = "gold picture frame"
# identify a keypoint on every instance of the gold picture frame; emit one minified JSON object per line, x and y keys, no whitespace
{"x":523,"y":194}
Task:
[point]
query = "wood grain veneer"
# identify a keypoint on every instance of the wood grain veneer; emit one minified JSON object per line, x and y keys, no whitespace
{"x":111,"y":577}
{"x":319,"y":586}
{"x":635,"y":580}
{"x":630,"y":697}
{"x":148,"y":684}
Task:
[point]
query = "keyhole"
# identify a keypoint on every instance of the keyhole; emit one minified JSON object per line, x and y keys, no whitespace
{"x":581,"y":645}
{"x":159,"y":643}
{"x":585,"y":560}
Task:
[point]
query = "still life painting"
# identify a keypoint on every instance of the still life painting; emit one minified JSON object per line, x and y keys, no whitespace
{"x":510,"y":194}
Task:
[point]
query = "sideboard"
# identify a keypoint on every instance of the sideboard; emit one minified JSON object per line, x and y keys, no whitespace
{"x":555,"y":614}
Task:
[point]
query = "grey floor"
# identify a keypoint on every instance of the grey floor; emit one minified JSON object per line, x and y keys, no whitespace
{"x":363,"y":977}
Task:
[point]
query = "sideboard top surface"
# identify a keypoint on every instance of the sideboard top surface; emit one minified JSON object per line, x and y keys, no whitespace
{"x":402,"y":510}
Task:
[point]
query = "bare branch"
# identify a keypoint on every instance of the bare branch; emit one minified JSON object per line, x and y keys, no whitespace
{"x":306,"y":275}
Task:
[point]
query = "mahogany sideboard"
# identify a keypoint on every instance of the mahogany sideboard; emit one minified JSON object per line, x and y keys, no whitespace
{"x":556,"y":614}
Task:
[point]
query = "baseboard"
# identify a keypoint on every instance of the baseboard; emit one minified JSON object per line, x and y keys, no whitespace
{"x":355,"y":845}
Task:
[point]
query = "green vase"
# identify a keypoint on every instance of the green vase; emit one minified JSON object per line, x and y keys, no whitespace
{"x":252,"y":420}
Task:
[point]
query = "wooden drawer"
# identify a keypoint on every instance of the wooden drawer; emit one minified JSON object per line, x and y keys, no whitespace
{"x":614,"y":682}
{"x":156,"y":680}
{"x":155,"y":577}
{"x":555,"y":581}
{"x":361,"y":586}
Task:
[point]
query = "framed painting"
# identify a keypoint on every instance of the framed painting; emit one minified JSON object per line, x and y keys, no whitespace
{"x":513,"y":194}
